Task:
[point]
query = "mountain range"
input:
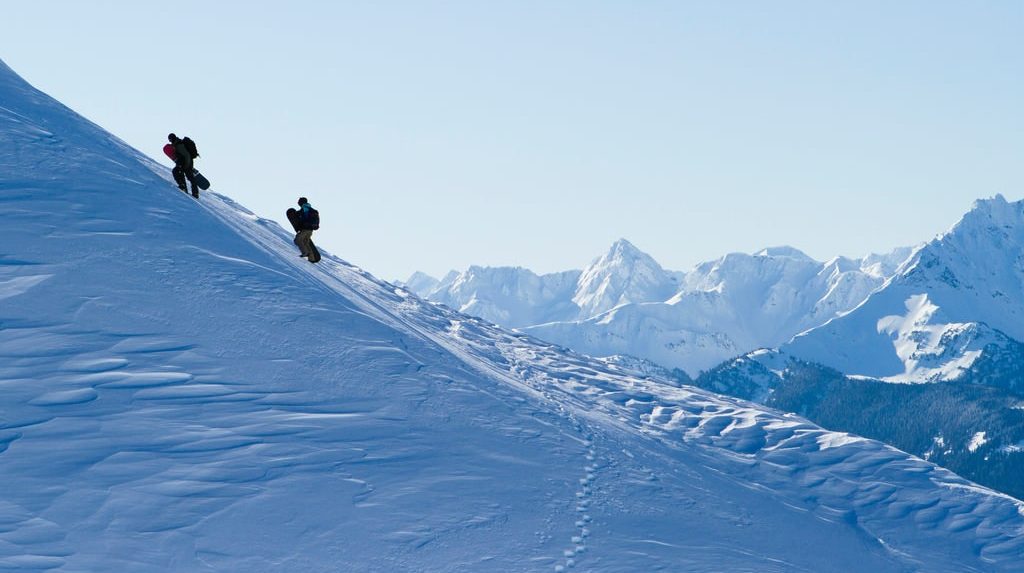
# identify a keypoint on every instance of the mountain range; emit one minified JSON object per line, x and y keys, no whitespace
{"x":937,"y":306}
{"x":625,"y":303}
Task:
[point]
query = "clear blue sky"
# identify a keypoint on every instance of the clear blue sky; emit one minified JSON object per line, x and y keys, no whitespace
{"x":433,"y":135}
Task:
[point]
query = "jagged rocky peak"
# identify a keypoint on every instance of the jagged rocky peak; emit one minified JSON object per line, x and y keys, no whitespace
{"x":623,"y":256}
{"x":983,"y":248}
{"x":994,"y":222}
{"x":624,"y":250}
{"x":996,"y":210}
{"x":624,"y":274}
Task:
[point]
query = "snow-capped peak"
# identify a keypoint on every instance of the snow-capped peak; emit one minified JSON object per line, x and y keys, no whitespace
{"x":421,"y":283}
{"x":995,"y":210}
{"x":975,"y":271}
{"x":624,"y":274}
{"x":956,"y":294}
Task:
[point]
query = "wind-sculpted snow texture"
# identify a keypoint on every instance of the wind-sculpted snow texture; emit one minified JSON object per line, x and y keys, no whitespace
{"x":179,"y":391}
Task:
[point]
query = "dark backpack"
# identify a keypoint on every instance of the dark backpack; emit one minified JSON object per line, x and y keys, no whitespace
{"x":191,"y":147}
{"x":313,"y":220}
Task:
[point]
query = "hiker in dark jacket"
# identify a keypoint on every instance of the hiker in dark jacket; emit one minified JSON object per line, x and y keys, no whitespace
{"x":183,"y":164}
{"x":307,"y":220}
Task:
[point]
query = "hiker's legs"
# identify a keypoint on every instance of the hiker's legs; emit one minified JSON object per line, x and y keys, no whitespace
{"x":179,"y":177}
{"x":307,"y":242}
{"x":192,"y":179}
{"x":302,"y":239}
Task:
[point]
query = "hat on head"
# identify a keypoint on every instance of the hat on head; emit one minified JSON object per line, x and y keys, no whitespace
{"x":303,"y":201}
{"x":171,"y":137}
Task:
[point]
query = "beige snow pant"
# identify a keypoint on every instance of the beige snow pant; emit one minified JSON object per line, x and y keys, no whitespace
{"x":304,"y":240}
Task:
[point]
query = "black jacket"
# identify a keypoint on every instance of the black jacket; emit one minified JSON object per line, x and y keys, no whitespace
{"x":181,"y":155}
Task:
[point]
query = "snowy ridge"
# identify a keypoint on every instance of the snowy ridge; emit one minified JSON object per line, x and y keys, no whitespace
{"x":181,"y":392}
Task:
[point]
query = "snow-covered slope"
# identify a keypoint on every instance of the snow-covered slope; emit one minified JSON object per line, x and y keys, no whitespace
{"x":958,"y":294}
{"x":624,"y":303}
{"x":181,"y":392}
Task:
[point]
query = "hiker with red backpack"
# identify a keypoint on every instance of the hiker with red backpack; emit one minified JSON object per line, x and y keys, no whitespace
{"x":183,"y":152}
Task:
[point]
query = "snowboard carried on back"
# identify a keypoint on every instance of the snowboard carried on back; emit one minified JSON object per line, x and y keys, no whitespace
{"x":293,"y":218}
{"x":201,"y":181}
